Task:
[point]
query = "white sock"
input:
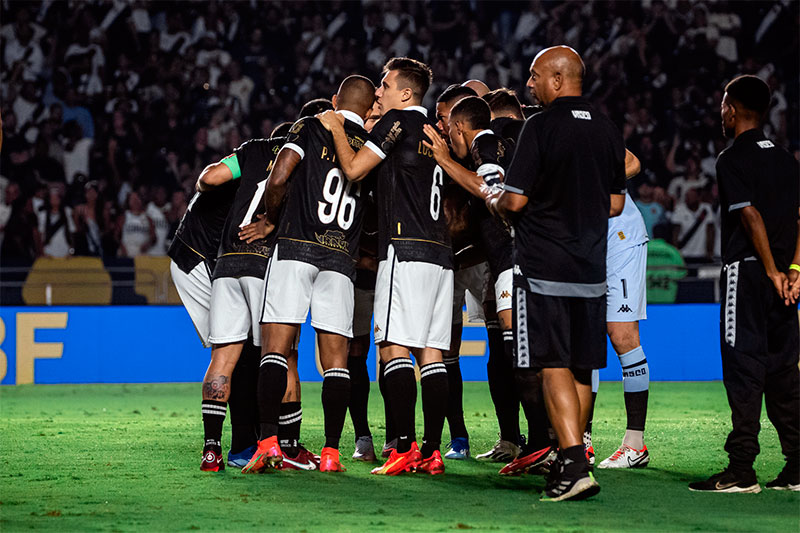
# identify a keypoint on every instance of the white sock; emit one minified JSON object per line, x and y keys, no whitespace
{"x":634,"y":439}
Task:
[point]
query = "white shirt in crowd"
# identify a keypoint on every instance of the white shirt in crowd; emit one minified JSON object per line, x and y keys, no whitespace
{"x":685,"y":219}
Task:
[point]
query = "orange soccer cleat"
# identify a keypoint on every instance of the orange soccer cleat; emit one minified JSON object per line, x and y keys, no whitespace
{"x":526,"y":462}
{"x":329,"y":461}
{"x":400,"y":462}
{"x":433,"y":465}
{"x":268,"y":455}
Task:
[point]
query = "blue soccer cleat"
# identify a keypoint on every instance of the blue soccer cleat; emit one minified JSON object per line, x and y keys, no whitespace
{"x":240,"y":460}
{"x":459,"y":448}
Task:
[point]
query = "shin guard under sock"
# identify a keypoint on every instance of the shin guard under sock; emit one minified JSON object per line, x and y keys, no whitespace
{"x":434,"y":380}
{"x":401,"y":389}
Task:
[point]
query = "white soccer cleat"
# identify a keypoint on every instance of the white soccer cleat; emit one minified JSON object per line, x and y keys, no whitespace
{"x":503,"y":451}
{"x":627,"y":457}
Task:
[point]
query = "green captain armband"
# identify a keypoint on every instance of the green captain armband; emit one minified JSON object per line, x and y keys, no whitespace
{"x":232,"y":162}
{"x":794,"y":266}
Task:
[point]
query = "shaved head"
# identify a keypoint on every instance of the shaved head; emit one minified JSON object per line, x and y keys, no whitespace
{"x":556,"y":71}
{"x":478,"y":86}
{"x":356,"y":94}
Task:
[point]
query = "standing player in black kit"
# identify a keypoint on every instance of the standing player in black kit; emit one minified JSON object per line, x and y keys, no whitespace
{"x":236,"y":288}
{"x":414,"y":287}
{"x":758,"y":186}
{"x":312,"y":267}
{"x":567,"y":175}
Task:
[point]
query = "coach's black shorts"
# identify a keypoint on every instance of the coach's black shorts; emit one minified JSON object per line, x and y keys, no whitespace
{"x":559,"y":331}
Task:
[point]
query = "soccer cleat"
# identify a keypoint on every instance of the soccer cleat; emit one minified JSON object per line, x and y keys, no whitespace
{"x":433,"y":465}
{"x":786,"y":480}
{"x":627,"y":457}
{"x":329,"y":461}
{"x":304,"y":460}
{"x":728,"y":481}
{"x":389,"y":447}
{"x":239,"y":460}
{"x":364,"y":451}
{"x":587,"y":444}
{"x":212,"y":462}
{"x":578,"y":488}
{"x":268,"y":455}
{"x":459,"y":448}
{"x":503,"y":451}
{"x":400,"y":462}
{"x":525,"y":463}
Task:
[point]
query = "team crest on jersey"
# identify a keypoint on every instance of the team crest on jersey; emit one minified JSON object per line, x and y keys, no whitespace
{"x":332,"y":239}
{"x":355,"y":141}
{"x":621,"y":235}
{"x":296,"y":127}
{"x":391,"y":137}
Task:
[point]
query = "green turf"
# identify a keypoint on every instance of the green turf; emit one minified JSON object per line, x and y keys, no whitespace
{"x":126,"y":457}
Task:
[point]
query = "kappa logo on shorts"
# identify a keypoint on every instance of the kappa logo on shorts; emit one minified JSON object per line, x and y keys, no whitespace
{"x":505,"y":294}
{"x":625,"y":309}
{"x":377,"y":328}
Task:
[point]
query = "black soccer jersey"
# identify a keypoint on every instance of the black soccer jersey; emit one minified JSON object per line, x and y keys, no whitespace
{"x":322,"y":218}
{"x":251,"y":164}
{"x":490,"y":160}
{"x":570,"y":158}
{"x":200,"y":230}
{"x":508,"y":129}
{"x":754,"y":171}
{"x":409,"y":190}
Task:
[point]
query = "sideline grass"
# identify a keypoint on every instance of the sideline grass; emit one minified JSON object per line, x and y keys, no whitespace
{"x":126,"y":457}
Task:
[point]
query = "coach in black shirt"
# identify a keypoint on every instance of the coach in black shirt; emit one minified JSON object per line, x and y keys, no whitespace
{"x":568,"y":173}
{"x":758,"y":185}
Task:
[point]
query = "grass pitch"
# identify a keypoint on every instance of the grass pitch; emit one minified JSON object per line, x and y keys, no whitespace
{"x":126,"y":457}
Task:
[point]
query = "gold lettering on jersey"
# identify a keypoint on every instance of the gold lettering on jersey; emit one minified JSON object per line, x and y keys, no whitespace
{"x":501,"y":151}
{"x":332,"y":239}
{"x":296,"y":127}
{"x":355,"y":142}
{"x":269,"y":167}
{"x":398,"y":228}
{"x":324,"y":154}
{"x":276,"y":149}
{"x":621,"y":236}
{"x":392,"y":136}
{"x":424,"y":150}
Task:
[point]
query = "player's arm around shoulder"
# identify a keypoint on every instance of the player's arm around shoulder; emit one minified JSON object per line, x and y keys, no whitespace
{"x":278,"y":181}
{"x":355,"y":165}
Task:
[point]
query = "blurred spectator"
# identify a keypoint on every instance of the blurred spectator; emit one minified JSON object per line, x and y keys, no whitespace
{"x":694,"y":228}
{"x":76,"y":151}
{"x":56,"y":224}
{"x":88,"y":220}
{"x":138,"y":230}
{"x":157,"y":211}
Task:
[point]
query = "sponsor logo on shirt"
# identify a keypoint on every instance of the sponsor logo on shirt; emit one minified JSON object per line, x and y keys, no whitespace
{"x":765,"y":144}
{"x":332,"y":239}
{"x":517,"y":270}
{"x":583,"y":115}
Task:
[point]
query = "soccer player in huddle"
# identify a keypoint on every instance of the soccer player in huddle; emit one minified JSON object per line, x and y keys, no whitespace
{"x":414,"y":286}
{"x":312,"y":267}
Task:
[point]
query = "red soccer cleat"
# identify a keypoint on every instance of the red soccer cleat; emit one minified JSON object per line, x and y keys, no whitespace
{"x":400,"y":462}
{"x":212,"y":462}
{"x":304,"y":460}
{"x":433,"y":465}
{"x":268,"y":455}
{"x":329,"y":461}
{"x":524,"y":463}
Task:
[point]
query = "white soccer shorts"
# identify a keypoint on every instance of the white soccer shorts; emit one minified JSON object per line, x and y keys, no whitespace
{"x":235,"y":309}
{"x":362,"y":312}
{"x":469,"y":286}
{"x":294,"y":287}
{"x":194,"y":290}
{"x":627,"y":285}
{"x":503,"y":290}
{"x":413,"y":303}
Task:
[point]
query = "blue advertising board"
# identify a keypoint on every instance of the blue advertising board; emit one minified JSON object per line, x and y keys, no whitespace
{"x":152,"y":344}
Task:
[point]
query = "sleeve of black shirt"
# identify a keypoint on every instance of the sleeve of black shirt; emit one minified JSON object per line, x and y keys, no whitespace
{"x":297,"y":139}
{"x":734,"y":186}
{"x":524,"y":171}
{"x":386,"y":134}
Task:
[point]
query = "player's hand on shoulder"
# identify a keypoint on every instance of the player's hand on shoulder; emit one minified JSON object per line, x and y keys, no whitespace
{"x":437,"y":145}
{"x":331,"y":120}
{"x":256,"y":230}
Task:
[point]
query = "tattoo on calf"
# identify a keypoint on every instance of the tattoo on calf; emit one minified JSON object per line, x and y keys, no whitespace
{"x":216,"y":388}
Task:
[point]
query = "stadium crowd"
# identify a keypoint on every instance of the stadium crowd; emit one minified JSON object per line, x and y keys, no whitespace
{"x":111,"y":109}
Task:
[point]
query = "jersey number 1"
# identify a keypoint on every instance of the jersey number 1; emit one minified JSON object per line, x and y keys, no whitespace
{"x":257,"y":197}
{"x":333,"y":191}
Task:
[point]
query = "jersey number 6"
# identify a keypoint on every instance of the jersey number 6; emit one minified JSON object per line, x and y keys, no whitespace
{"x":340,"y":204}
{"x":436,"y":192}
